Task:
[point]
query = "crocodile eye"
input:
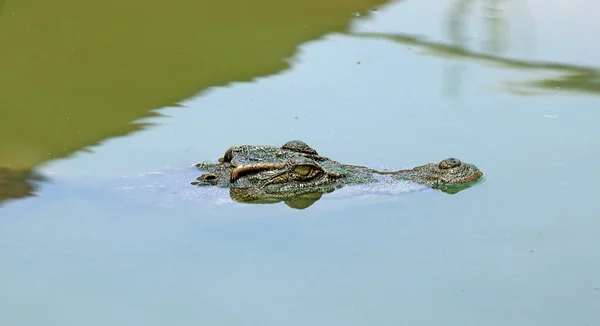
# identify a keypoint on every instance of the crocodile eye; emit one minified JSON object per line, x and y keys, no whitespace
{"x":228,"y":156}
{"x":303,"y":170}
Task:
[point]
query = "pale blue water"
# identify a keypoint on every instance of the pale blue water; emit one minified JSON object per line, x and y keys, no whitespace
{"x":99,"y":247}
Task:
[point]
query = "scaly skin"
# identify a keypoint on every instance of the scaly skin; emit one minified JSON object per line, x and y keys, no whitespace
{"x":295,"y":173}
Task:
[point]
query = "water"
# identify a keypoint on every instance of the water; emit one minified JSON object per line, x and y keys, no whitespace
{"x":98,"y":246}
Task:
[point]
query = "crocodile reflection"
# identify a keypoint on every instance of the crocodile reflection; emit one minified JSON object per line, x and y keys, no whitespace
{"x":297,"y":175}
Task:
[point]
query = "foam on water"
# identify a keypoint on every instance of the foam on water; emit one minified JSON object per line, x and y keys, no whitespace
{"x":172,"y":189}
{"x":166,"y":189}
{"x":386,"y":190}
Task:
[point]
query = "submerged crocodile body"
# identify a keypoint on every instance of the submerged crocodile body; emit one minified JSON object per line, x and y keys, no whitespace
{"x":296,"y":174}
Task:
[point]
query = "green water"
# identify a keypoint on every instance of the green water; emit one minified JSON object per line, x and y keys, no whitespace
{"x":113,"y":103}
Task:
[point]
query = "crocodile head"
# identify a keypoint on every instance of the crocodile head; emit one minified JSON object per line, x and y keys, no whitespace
{"x":296,"y":174}
{"x":268,"y":174}
{"x":294,"y":179}
{"x":293,"y":175}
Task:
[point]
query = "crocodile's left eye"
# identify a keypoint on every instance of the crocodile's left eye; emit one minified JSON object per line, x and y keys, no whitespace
{"x":303,"y":170}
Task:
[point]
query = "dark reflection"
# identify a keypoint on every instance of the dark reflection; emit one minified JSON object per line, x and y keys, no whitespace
{"x":457,"y":16}
{"x":297,"y":175}
{"x":300,"y":201}
{"x":305,"y":200}
{"x":454,"y":189}
{"x":496,"y":27}
{"x":74,"y":73}
{"x":15,"y":184}
{"x":584,"y":81}
{"x":573,"y":77}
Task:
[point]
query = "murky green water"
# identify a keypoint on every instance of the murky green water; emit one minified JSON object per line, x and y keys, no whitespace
{"x":118,"y":237}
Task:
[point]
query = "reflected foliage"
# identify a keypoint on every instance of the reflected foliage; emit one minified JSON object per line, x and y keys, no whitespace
{"x":588,"y":81}
{"x":15,"y":184}
{"x":74,"y":73}
{"x":495,"y":23}
{"x":572,"y":77}
{"x":305,"y":200}
{"x":560,"y":76}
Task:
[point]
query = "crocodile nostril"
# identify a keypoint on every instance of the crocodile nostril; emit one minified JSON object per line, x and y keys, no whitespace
{"x":449,"y":163}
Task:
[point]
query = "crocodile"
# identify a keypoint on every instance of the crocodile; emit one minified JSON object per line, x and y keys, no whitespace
{"x":296,"y":174}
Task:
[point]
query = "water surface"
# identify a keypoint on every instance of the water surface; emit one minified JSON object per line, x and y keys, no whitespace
{"x":118,"y":237}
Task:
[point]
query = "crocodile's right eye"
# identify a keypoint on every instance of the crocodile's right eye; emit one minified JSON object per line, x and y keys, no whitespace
{"x":303,"y":170}
{"x":228,"y":156}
